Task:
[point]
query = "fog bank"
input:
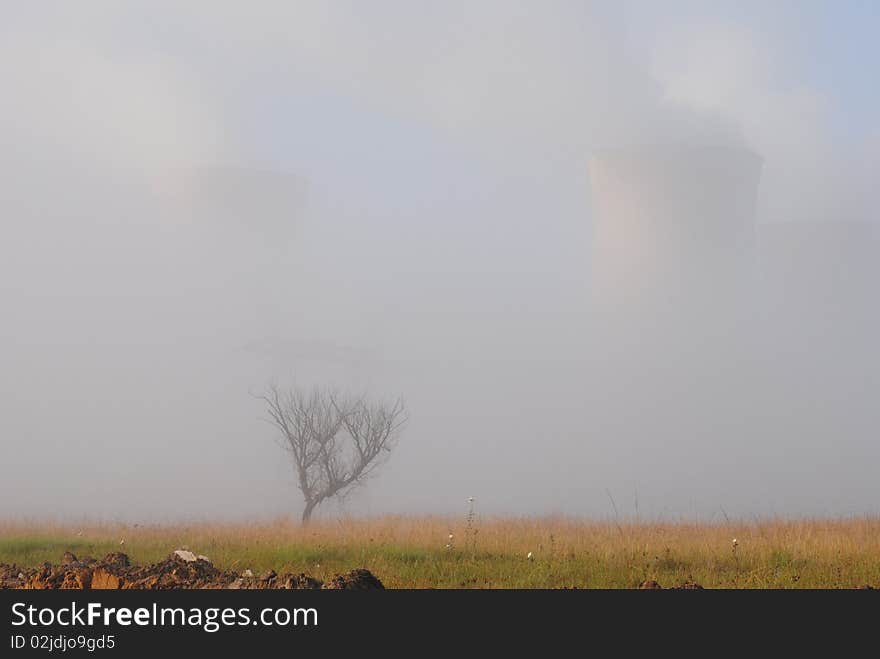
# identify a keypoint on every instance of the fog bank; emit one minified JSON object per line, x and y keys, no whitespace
{"x":597,"y":247}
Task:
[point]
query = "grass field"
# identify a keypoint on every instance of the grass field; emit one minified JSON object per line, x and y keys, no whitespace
{"x":410,"y":552}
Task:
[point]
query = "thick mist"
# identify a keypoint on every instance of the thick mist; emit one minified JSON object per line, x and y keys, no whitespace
{"x":603,"y":251}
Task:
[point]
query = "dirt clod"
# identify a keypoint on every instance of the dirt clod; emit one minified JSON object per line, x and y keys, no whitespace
{"x":103,"y":579}
{"x":116,"y":561}
{"x":299,"y":581}
{"x":357,"y":579}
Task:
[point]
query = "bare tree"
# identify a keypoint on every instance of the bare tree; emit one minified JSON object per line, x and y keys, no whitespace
{"x":336,"y":441}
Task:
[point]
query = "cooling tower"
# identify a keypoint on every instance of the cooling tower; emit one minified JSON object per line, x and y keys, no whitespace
{"x":672,"y":257}
{"x":671,"y":222}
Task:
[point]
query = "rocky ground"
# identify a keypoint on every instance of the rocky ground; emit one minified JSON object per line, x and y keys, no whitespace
{"x":650,"y":584}
{"x":182,"y":569}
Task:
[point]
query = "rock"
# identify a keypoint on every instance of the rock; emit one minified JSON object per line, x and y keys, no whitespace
{"x":189,"y":557}
{"x":357,"y":579}
{"x":185,"y":555}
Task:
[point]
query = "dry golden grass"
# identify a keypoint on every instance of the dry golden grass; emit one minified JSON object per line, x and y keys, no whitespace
{"x":410,"y":552}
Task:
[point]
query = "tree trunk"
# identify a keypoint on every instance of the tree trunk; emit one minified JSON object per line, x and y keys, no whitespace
{"x":307,"y":511}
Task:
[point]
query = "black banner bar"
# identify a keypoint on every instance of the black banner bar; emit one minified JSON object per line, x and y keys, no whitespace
{"x":147,"y":623}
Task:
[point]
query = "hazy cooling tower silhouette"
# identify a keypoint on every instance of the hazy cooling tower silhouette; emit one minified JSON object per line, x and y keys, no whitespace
{"x":671,"y":222}
{"x":672,"y":258}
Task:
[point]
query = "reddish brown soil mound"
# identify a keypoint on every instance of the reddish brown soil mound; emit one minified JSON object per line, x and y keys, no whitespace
{"x":359,"y":579}
{"x":180,"y":570}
